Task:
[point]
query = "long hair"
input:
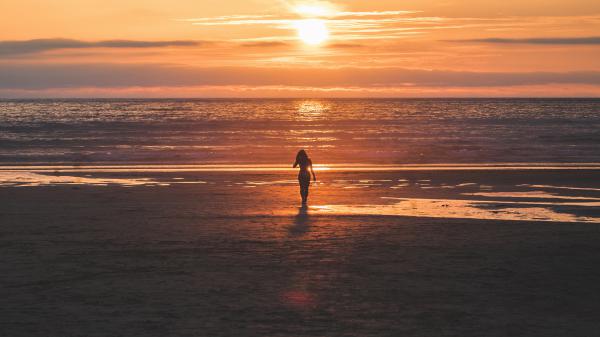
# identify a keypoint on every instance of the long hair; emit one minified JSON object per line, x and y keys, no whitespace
{"x":302,"y":157}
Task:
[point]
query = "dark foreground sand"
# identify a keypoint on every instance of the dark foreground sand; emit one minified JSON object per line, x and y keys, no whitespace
{"x":226,"y":259}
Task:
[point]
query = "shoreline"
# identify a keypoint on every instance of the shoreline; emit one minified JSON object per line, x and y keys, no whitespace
{"x":524,"y":193}
{"x":282,"y":167}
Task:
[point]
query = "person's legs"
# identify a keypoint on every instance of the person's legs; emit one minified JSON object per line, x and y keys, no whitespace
{"x":304,"y":193}
{"x":304,"y":190}
{"x":301,"y":183}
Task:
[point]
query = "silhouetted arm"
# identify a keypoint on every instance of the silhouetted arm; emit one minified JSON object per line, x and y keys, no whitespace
{"x":295,"y":164}
{"x":313,"y":172}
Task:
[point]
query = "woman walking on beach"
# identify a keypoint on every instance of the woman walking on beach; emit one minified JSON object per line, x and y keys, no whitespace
{"x":305,"y":163}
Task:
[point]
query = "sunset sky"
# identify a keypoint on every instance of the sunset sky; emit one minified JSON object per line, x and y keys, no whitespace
{"x":270,"y":48}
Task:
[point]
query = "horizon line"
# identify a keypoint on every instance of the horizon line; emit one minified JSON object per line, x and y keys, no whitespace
{"x":306,"y":97}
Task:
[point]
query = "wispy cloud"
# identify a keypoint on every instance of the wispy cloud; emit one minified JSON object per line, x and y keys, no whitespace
{"x":399,"y":24}
{"x":347,"y":18}
{"x":265,"y":44}
{"x":344,"y":24}
{"x":240,"y":22}
{"x":594,"y":40}
{"x":374,"y":13}
{"x":227,"y":18}
{"x":345,"y":45}
{"x":40,"y":45}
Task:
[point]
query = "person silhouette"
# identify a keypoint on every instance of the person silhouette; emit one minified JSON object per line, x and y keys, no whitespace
{"x":305,"y":163}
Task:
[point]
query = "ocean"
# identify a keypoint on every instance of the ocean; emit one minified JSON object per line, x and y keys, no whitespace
{"x":271,"y":131}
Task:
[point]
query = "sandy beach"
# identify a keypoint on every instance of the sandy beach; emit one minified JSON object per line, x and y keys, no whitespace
{"x":502,"y":253}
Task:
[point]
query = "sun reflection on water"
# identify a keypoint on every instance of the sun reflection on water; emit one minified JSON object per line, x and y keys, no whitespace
{"x":311,"y":110}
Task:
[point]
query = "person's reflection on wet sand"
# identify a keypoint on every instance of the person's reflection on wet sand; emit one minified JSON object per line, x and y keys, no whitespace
{"x":301,"y":222}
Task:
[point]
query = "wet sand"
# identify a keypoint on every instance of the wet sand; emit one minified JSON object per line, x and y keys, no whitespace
{"x":226,"y":253}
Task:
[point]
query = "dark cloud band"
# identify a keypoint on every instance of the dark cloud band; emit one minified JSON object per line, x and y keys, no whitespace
{"x":41,"y":45}
{"x":543,"y":41}
{"x":49,"y":76}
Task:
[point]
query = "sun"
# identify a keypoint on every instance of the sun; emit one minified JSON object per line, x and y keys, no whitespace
{"x":312,"y":31}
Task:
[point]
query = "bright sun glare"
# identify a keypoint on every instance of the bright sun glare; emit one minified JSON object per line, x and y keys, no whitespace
{"x":312,"y":10}
{"x":312,"y":31}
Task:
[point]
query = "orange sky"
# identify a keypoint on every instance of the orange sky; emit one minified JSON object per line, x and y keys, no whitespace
{"x":251,"y":48}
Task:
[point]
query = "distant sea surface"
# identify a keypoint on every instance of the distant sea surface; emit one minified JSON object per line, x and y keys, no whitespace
{"x":270,"y":131}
